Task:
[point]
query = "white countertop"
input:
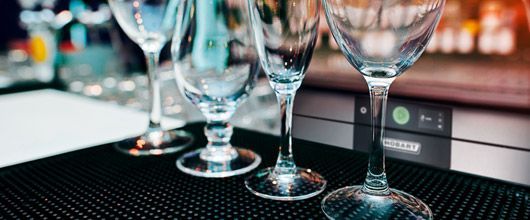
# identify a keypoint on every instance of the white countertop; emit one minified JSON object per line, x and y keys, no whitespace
{"x":44,"y":123}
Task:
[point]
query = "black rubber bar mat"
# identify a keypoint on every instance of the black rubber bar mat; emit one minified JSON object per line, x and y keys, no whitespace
{"x":100,"y":182}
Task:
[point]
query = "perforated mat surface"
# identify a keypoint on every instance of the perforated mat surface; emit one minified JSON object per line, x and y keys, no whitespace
{"x":100,"y":182}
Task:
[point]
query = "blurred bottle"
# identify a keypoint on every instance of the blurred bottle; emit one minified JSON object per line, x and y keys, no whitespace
{"x":448,"y":35}
{"x":467,"y":35}
{"x":527,"y":9}
{"x":90,"y":47}
{"x":41,"y":22}
{"x":497,"y":28}
{"x":325,"y":39}
{"x":43,"y":50}
{"x":457,"y":30}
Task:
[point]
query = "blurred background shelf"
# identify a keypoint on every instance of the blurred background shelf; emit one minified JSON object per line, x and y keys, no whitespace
{"x":483,"y":81}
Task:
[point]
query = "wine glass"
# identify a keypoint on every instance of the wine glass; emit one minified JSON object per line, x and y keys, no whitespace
{"x":150,"y":23}
{"x":285,"y":33}
{"x":381,"y":39}
{"x":216,"y":67}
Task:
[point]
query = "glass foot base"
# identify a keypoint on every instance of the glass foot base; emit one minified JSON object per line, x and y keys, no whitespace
{"x":155,"y":143}
{"x":352,"y":203}
{"x":302,"y":185}
{"x":244,"y":161}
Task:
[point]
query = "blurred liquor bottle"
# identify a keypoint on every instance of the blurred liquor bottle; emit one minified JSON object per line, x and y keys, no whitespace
{"x":38,"y":18}
{"x":497,"y":28}
{"x":32,"y":61}
{"x":90,"y":48}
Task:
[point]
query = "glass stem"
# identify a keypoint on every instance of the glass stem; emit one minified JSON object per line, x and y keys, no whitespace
{"x":285,"y":163}
{"x":376,"y":182}
{"x":218,"y":134}
{"x":218,"y":148}
{"x":155,"y":109}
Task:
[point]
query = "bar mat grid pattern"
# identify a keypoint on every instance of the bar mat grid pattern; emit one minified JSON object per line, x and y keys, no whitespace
{"x":100,"y":182}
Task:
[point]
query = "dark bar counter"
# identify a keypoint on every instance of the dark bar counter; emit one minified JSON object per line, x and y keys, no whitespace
{"x":100,"y":182}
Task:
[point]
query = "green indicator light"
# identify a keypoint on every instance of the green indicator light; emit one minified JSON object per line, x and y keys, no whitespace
{"x":401,"y":115}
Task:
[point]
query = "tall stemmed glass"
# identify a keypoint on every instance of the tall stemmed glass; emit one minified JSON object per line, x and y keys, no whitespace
{"x":285,"y":33}
{"x":381,"y":39}
{"x":216,"y":67}
{"x":150,"y":23}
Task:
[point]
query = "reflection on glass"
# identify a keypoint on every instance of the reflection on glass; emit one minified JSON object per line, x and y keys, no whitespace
{"x":381,"y":39}
{"x":285,"y":33}
{"x":150,"y":23}
{"x":216,"y":67}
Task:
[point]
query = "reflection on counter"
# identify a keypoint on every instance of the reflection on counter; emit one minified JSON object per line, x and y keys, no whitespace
{"x":259,"y":112}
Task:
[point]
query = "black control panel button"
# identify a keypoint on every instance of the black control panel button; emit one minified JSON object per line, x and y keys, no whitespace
{"x":431,"y":119}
